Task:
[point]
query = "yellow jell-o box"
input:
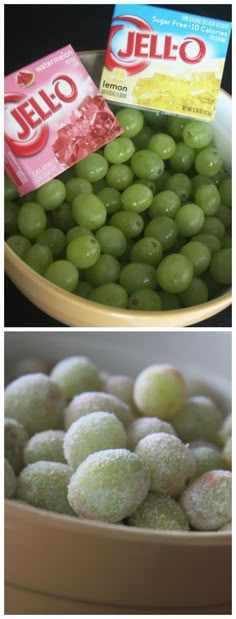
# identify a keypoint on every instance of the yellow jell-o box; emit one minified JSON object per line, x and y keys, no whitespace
{"x":163,"y":60}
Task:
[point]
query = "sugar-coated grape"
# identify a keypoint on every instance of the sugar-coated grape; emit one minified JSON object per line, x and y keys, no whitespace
{"x":197,"y":134}
{"x":144,"y":426}
{"x":195,"y":294}
{"x":51,"y":195}
{"x":144,"y":299}
{"x":31,"y":220}
{"x":131,"y":224}
{"x":111,"y":240}
{"x":39,"y":257}
{"x":207,"y":458}
{"x":175,"y":273}
{"x":147,"y":250}
{"x":44,"y":485}
{"x":93,"y":168}
{"x":198,"y":254}
{"x":138,"y":275}
{"x":83,"y":251}
{"x":89,"y":211}
{"x":74,"y":375}
{"x":110,"y":294}
{"x":76,"y":185}
{"x":207,"y":501}
{"x":106,"y":270}
{"x":180,"y":184}
{"x":208,"y":198}
{"x":9,"y":480}
{"x":208,"y":161}
{"x":119,"y":176}
{"x":164,"y":229}
{"x":198,"y":419}
{"x":131,"y":121}
{"x":111,"y":199}
{"x":92,"y":402}
{"x":165,"y":203}
{"x":159,"y":391}
{"x":19,"y":244}
{"x":163,"y":145}
{"x":146,"y":164}
{"x":15,"y":438}
{"x":119,"y":150}
{"x":64,"y":274}
{"x":136,"y":198}
{"x":47,"y":446}
{"x":121,"y":386}
{"x":159,"y":512}
{"x":221,"y":266}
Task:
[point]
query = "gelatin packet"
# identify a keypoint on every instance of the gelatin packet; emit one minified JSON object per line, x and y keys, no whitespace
{"x":54,"y":117}
{"x":163,"y":60}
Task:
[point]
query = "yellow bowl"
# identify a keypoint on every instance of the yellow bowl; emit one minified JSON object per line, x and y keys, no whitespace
{"x":75,"y":311}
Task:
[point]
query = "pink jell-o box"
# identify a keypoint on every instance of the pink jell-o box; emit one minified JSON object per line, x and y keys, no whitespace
{"x":54,"y":117}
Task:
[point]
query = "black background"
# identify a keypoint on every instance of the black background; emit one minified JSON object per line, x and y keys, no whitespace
{"x":32,"y":31}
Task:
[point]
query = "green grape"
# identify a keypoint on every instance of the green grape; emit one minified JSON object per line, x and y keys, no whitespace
{"x":175,"y":126}
{"x":214,"y":289}
{"x":136,"y":198}
{"x":62,"y":217}
{"x":138,"y":275}
{"x":99,"y":185}
{"x":214,"y":227}
{"x":219,"y":177}
{"x":169,"y":301}
{"x":212,"y":242}
{"x":51,"y":195}
{"x":110,"y":294}
{"x":208,"y":161}
{"x":77,"y":231}
{"x":175,"y":249}
{"x":163,"y":145}
{"x":182,"y":159}
{"x":63,"y":274}
{"x":224,"y":214}
{"x":146,"y":164}
{"x":89,"y":211}
{"x":119,"y":150}
{"x":189,"y":219}
{"x":160,"y":182}
{"x":83,"y":289}
{"x":131,"y":121}
{"x":92,"y":168}
{"x":156,"y":119}
{"x":111,"y":199}
{"x":31,"y":220}
{"x":147,"y":250}
{"x":19,"y":244}
{"x":28,"y":197}
{"x":131,"y":224}
{"x":164,"y":230}
{"x":67,"y":174}
{"x":165,"y":203}
{"x":208,"y":198}
{"x":76,"y":185}
{"x":83,"y":251}
{"x":141,"y":139}
{"x":145,"y":300}
{"x":221,"y":266}
{"x":175,"y":273}
{"x":198,"y":254}
{"x":226,"y":243}
{"x":199,"y":180}
{"x":225,"y":190}
{"x":39,"y":257}
{"x":105,"y":271}
{"x":54,"y":238}
{"x":180,"y":184}
{"x":11,"y":210}
{"x":10,"y":191}
{"x":150,"y":184}
{"x":112,"y":241}
{"x":197,"y":134}
{"x":195,"y":294}
{"x":119,"y":176}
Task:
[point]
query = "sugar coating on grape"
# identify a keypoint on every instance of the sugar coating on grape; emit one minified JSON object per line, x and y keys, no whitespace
{"x":207,"y":501}
{"x":109,"y":485}
{"x":226,"y":527}
{"x":92,"y":433}
{"x":122,"y":387}
{"x":36,"y":402}
{"x":45,"y":485}
{"x":74,"y":375}
{"x":198,"y":386}
{"x":169,"y":461}
{"x":15,"y":438}
{"x":159,"y":512}
{"x":227,"y":453}
{"x":92,"y":402}
{"x":225,"y":430}
{"x":47,"y":445}
{"x":199,"y":418}
{"x":159,"y":391}
{"x":144,"y":426}
{"x":207,"y":458}
{"x":9,"y":480}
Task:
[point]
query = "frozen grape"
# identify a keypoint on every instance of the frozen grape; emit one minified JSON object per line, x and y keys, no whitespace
{"x":74,"y":375}
{"x":207,"y":501}
{"x":144,"y":426}
{"x":51,"y":195}
{"x":47,"y":446}
{"x":198,"y":419}
{"x":159,"y":512}
{"x":9,"y":480}
{"x":15,"y":438}
{"x":93,"y":402}
{"x":159,"y":391}
{"x":207,"y":458}
{"x":45,"y":485}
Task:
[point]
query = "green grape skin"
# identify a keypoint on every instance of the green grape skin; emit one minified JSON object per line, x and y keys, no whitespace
{"x":53,"y":238}
{"x":119,"y":176}
{"x":10,"y":191}
{"x":195,"y":294}
{"x":137,"y":275}
{"x":175,"y":273}
{"x":221,"y":266}
{"x":93,"y":168}
{"x":160,"y":182}
{"x":19,"y":244}
{"x":62,"y":217}
{"x":197,"y":134}
{"x":212,"y":242}
{"x":157,"y":120}
{"x":112,"y":295}
{"x":145,"y":300}
{"x":198,"y":254}
{"x":164,"y":229}
{"x":208,"y":198}
{"x":39,"y":257}
{"x":175,"y":126}
{"x":165,"y":203}
{"x":11,"y":211}
{"x":111,"y":199}
{"x":180,"y":184}
{"x":224,"y":214}
{"x":197,"y":181}
{"x":146,"y":164}
{"x":136,"y":198}
{"x":83,"y":252}
{"x":227,"y":241}
{"x":76,"y":232}
{"x":147,"y":250}
{"x":150,"y":184}
{"x":182,"y":159}
{"x":63,"y":274}
{"x":31,"y":220}
{"x":119,"y":150}
{"x":51,"y":195}
{"x":131,"y":121}
{"x":225,"y":190}
{"x":163,"y":145}
{"x":111,"y":240}
{"x":83,"y":289}
{"x":89,"y":211}
{"x":105,"y":271}
{"x":208,"y":161}
{"x":76,"y":185}
{"x":214,"y":227}
{"x":99,"y":185}
{"x":141,"y":139}
{"x":131,"y":224}
{"x":169,"y":301}
{"x":189,"y":219}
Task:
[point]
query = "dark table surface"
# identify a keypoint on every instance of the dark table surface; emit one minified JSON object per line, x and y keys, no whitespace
{"x":48,"y":28}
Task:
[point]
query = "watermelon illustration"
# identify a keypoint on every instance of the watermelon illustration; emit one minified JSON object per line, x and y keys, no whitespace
{"x":25,"y":78}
